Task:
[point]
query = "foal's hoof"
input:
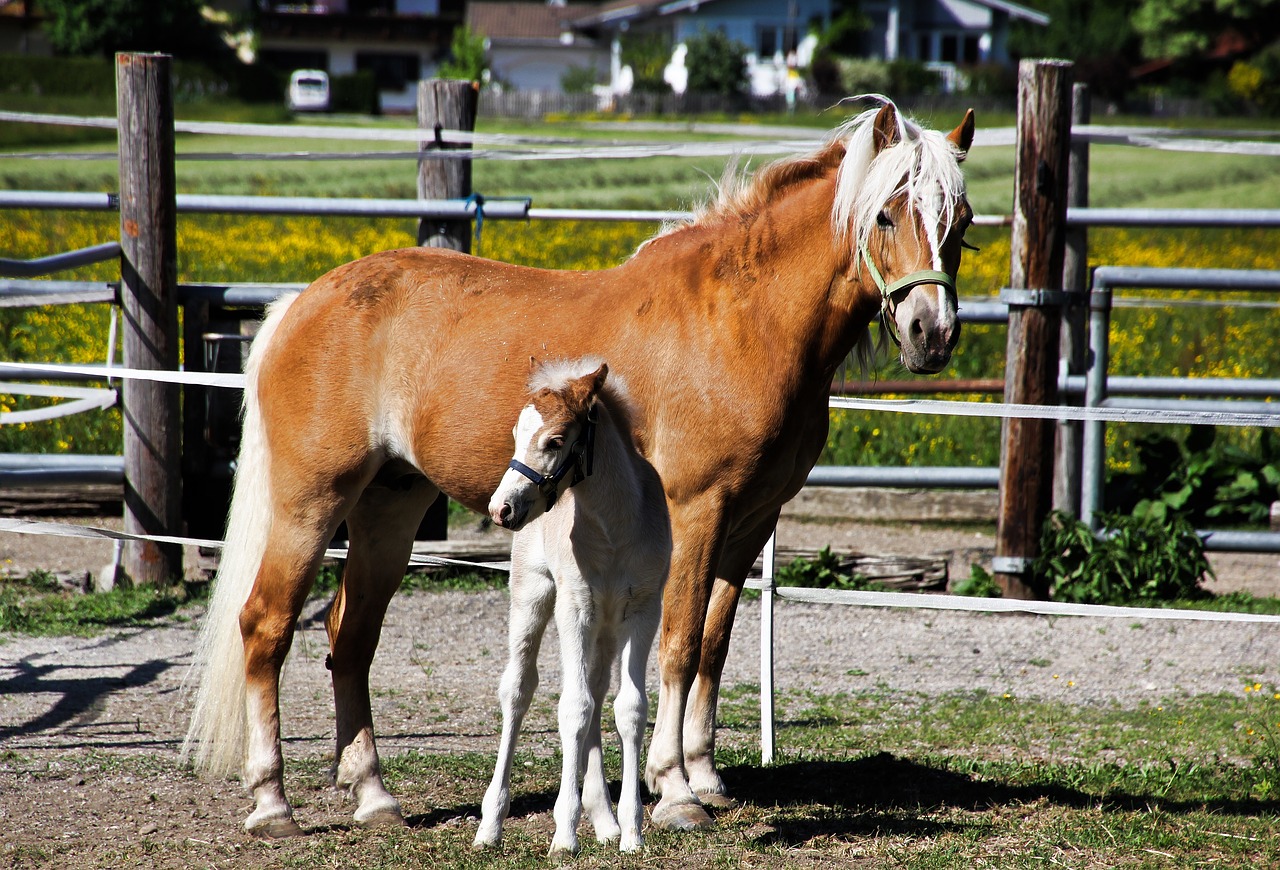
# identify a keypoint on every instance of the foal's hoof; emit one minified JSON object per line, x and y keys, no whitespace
{"x":716,"y":800}
{"x":271,"y":829}
{"x":681,"y":817}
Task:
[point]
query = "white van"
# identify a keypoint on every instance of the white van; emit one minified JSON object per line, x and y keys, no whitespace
{"x":308,"y":90}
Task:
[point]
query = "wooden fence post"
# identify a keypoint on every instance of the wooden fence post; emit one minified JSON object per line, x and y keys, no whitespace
{"x":149,"y":298}
{"x":1034,"y":296}
{"x":445,"y":104}
{"x":1075,"y":315}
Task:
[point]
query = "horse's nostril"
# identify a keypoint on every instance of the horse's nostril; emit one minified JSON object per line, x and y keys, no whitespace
{"x":917,"y":328}
{"x":504,"y":513}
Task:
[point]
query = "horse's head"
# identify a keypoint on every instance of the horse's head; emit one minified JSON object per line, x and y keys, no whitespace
{"x":554,"y":437}
{"x":900,"y":205}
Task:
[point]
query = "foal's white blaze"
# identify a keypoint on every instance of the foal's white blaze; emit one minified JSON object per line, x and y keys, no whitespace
{"x":517,"y":501}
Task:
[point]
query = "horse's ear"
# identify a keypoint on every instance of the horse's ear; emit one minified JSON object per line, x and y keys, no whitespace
{"x":884,"y":131}
{"x":533,"y":363}
{"x":962,"y":136}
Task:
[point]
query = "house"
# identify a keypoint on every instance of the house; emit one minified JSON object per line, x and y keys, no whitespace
{"x":399,"y":41}
{"x":22,"y":28}
{"x":532,"y":46}
{"x":944,"y":34}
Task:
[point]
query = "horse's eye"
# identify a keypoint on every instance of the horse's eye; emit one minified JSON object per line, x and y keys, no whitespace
{"x":883,"y":221}
{"x":555,"y":442}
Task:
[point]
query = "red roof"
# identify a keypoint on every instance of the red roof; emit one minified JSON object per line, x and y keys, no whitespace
{"x":523,"y":20}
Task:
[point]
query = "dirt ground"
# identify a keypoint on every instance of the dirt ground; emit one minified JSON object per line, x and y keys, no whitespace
{"x":72,"y":709}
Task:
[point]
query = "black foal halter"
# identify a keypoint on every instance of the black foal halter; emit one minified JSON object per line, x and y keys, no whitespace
{"x":580,"y":458}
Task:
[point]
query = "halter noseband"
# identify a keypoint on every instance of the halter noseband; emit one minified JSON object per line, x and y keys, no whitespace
{"x":888,"y":308}
{"x":580,"y":458}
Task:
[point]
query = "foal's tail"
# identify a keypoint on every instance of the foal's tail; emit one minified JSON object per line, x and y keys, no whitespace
{"x":216,"y":736}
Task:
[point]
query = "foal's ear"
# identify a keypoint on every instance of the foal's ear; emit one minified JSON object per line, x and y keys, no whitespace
{"x":884,"y":130}
{"x":583,"y":390}
{"x":962,"y":136}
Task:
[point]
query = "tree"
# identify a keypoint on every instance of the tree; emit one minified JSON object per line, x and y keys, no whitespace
{"x":1185,"y":28}
{"x":716,"y":64}
{"x":467,"y":56}
{"x":647,"y":55}
{"x":104,"y":27}
{"x":1097,"y":35}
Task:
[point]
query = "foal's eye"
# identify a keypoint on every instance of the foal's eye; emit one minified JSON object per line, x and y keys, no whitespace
{"x":555,"y":442}
{"x":883,"y":221}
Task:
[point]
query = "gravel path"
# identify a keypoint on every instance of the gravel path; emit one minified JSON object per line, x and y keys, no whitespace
{"x":68,"y":706}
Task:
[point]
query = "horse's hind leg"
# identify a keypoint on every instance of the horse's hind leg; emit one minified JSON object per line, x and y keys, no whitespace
{"x":267,"y":622}
{"x":533,"y":596}
{"x":381,"y":528}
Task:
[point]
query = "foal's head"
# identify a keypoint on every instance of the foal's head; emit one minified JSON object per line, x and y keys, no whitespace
{"x":900,"y":207}
{"x":554,"y":437}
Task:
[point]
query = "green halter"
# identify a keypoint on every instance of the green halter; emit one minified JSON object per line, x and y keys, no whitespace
{"x":888,"y":307}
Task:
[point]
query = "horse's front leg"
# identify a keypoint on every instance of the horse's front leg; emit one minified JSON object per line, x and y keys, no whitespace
{"x":576,"y":711}
{"x":381,"y":528}
{"x":697,"y":534}
{"x":700,"y":717}
{"x":533,"y":595}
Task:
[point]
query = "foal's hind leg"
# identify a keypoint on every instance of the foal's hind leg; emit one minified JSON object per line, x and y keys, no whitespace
{"x":631,"y":713}
{"x":533,"y":596}
{"x":381,"y":528}
{"x":595,"y":785}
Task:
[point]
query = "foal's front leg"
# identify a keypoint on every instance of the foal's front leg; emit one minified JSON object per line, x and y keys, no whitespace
{"x":577,"y":712}
{"x":533,"y":596}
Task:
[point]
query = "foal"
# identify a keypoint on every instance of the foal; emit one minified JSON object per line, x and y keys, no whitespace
{"x":599,"y":560}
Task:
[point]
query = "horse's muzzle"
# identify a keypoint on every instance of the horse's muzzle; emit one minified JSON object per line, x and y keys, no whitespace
{"x":508,"y":515}
{"x":926,"y":348}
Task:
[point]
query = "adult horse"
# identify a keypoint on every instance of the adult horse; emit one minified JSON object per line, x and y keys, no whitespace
{"x":395,"y":377}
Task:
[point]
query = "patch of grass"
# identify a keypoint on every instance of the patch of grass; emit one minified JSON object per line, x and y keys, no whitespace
{"x":36,"y":606}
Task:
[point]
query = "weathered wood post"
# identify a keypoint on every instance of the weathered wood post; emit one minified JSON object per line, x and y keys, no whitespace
{"x":1034,"y":297}
{"x":1073,"y":344}
{"x":149,"y":298}
{"x":444,"y":104}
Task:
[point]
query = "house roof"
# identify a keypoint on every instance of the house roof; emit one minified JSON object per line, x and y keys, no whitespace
{"x":1015,"y":10}
{"x":524,"y":21}
{"x":629,"y":10}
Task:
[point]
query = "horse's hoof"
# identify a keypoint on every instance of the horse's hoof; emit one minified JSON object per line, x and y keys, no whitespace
{"x":682,"y":817}
{"x":271,"y":829}
{"x":717,"y":801}
{"x":381,"y":817}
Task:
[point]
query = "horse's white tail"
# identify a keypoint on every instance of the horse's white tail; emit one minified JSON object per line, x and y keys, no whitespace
{"x":216,"y":736}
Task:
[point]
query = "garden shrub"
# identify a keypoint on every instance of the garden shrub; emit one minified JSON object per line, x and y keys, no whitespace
{"x":1135,"y":560}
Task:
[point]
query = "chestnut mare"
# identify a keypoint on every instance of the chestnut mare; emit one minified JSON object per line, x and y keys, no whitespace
{"x":593,"y":546}
{"x":390,"y":379}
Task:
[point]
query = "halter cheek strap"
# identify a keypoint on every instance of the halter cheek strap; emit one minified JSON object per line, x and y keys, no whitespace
{"x":580,"y":458}
{"x":888,"y":308}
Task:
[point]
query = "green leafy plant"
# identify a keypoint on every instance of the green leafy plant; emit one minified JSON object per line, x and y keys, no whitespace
{"x":1202,"y":480}
{"x":1135,"y":559}
{"x":467,"y":56}
{"x":717,"y":64}
{"x":823,"y":571}
{"x":979,"y":584}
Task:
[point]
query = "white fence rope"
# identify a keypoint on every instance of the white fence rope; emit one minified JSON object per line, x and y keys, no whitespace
{"x":902,"y":406}
{"x":1164,"y":139}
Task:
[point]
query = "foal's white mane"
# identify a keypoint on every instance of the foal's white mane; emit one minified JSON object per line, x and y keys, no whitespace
{"x":555,"y":374}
